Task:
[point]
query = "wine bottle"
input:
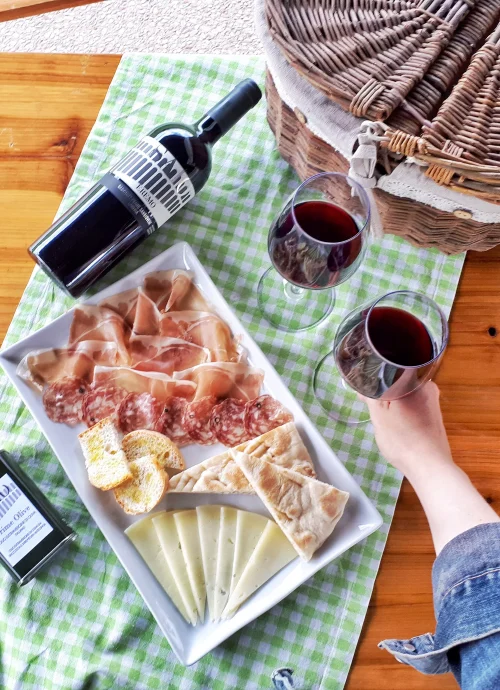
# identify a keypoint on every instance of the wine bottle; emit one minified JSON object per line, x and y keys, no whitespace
{"x":137,"y":196}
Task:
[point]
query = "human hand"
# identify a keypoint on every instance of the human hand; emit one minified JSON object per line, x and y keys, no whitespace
{"x":410,"y":432}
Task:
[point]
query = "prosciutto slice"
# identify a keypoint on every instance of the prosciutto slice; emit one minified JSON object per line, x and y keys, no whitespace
{"x":147,"y":316}
{"x":165,"y":288}
{"x":174,"y":289}
{"x":46,"y":366}
{"x":124,"y":304}
{"x":166,"y":355}
{"x":204,"y":329}
{"x":99,"y":323}
{"x":160,"y":386}
{"x":224,"y":380}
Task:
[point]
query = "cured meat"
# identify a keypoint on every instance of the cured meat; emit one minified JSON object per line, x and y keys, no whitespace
{"x":147,"y":316}
{"x":174,"y":289}
{"x":63,"y":400}
{"x":159,"y":385}
{"x":166,"y":355}
{"x":138,"y":411}
{"x":224,"y":380}
{"x":170,"y":421}
{"x":98,"y":323}
{"x":124,"y":304}
{"x":165,"y":288}
{"x":264,"y":414}
{"x":102,"y":353}
{"x":228,"y":422}
{"x":196,"y":420}
{"x":204,"y":329}
{"x":46,"y":366}
{"x":102,"y":402}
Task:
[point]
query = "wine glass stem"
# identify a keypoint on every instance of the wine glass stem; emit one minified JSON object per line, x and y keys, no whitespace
{"x":293,"y":293}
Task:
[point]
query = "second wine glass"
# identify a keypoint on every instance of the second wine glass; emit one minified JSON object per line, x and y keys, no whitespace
{"x":384,"y":350}
{"x":316,"y":243}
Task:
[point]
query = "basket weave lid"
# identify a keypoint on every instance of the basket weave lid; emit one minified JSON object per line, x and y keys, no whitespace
{"x":370,"y":55}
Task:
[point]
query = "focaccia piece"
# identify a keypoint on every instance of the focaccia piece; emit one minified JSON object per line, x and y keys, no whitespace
{"x":282,"y":446}
{"x":306,"y":509}
{"x":220,"y":475}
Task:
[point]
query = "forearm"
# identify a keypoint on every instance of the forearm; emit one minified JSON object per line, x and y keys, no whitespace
{"x":451,"y":503}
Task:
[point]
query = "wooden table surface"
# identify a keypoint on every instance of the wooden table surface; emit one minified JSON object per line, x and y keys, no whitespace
{"x":18,"y":9}
{"x":48,"y":104}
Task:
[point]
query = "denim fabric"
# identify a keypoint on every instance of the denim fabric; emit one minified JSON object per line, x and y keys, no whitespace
{"x":466,"y":584}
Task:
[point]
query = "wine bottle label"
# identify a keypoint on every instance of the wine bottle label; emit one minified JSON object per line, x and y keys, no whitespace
{"x":22,"y":526}
{"x":156,"y":178}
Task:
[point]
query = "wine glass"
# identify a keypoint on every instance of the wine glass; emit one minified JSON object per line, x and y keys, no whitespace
{"x":383,"y":350}
{"x":316,"y":242}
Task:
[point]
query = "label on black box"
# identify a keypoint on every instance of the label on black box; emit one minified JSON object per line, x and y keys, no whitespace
{"x":22,"y":526}
{"x":156,"y":178}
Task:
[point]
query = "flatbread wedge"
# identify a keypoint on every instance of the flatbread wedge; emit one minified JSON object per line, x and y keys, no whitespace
{"x":282,"y":446}
{"x":306,"y":509}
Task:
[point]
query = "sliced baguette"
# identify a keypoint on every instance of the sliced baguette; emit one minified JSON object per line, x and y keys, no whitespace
{"x":106,"y":464}
{"x":142,"y":442}
{"x":146,"y":488}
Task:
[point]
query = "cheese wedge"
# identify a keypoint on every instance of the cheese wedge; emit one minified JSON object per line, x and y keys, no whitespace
{"x":186,"y":522}
{"x":306,"y":509}
{"x":209,"y":527}
{"x":272,"y":553}
{"x":249,"y":528}
{"x":169,"y":539}
{"x":143,"y":536}
{"x":225,"y":559}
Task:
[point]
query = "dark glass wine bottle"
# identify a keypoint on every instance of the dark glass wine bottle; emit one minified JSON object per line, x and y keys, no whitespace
{"x":138,"y":195}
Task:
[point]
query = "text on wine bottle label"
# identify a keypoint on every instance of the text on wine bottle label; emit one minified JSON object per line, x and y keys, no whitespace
{"x":157,"y":178}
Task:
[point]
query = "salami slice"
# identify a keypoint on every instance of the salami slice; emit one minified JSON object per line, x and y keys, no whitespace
{"x":63,"y":400}
{"x":264,"y":414}
{"x":228,"y":422}
{"x":138,"y":411}
{"x":170,"y":421}
{"x":196,"y":420}
{"x":101,"y":402}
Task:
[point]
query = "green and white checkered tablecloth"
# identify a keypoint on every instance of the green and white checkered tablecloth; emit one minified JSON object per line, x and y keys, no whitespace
{"x":82,"y":624}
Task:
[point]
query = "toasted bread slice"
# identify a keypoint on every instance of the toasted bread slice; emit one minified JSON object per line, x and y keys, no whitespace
{"x":146,"y":488}
{"x":142,"y":442}
{"x":105,"y":461}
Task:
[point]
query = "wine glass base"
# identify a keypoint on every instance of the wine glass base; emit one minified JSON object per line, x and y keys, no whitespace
{"x":291,"y":308}
{"x":339,"y":401}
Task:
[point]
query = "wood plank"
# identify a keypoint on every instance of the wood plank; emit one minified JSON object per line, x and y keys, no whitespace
{"x":40,"y":119}
{"x":17,"y":9}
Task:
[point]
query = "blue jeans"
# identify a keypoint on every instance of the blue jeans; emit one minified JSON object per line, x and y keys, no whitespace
{"x":466,"y":584}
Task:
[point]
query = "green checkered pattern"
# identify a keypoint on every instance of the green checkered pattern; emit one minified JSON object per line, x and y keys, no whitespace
{"x":82,"y":624}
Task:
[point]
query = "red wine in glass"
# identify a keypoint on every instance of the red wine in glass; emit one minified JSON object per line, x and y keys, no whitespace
{"x":400,"y":337}
{"x":378,"y":348}
{"x":316,"y":244}
{"x":383,"y":350}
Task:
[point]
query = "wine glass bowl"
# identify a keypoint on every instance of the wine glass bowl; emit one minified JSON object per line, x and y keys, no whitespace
{"x":384,"y":350}
{"x":316,"y":243}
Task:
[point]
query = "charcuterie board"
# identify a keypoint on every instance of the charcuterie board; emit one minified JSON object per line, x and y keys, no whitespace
{"x":359,"y":519}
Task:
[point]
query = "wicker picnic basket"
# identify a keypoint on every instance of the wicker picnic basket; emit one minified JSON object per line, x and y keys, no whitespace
{"x":428,"y":72}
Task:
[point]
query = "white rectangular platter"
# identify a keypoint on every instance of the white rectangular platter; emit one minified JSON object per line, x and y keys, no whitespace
{"x":191,"y":643}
